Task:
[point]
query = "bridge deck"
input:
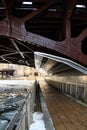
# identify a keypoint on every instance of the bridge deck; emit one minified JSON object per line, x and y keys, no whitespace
{"x":65,"y":112}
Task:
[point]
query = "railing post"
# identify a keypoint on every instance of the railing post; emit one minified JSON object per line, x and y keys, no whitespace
{"x":62,"y":87}
{"x":24,"y":118}
{"x":33,"y":96}
{"x":70,"y":89}
{"x":23,"y":123}
{"x":31,"y":111}
{"x":76,"y":91}
{"x":28,"y":112}
{"x":85,"y":93}
{"x":65,"y":87}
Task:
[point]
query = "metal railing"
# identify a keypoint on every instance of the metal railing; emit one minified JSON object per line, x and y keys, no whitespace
{"x":77,"y":90}
{"x":24,"y":114}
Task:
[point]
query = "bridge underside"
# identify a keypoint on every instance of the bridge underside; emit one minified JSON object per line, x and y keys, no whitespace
{"x":55,"y":27}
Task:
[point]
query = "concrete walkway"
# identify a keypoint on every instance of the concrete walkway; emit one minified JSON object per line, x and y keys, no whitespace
{"x":65,"y":112}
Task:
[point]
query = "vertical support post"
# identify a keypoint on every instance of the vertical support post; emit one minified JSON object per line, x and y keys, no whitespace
{"x":34,"y":95}
{"x":68,"y":28}
{"x":76,"y":91}
{"x":27,"y":115}
{"x":31,"y":111}
{"x":62,"y":87}
{"x":65,"y":87}
{"x":30,"y":107}
{"x":70,"y":89}
{"x":85,"y":93}
{"x":66,"y":34}
{"x":57,"y":85}
{"x":28,"y":112}
{"x":24,"y":118}
{"x":23,"y":123}
{"x":2,"y":75}
{"x":32,"y":102}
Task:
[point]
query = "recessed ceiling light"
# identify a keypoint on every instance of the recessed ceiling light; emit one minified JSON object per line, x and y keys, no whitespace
{"x":27,"y":3}
{"x":26,"y":9}
{"x":80,"y":6}
{"x":52,"y":10}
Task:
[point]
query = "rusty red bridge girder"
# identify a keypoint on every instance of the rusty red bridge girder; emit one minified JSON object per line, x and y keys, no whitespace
{"x":70,"y":47}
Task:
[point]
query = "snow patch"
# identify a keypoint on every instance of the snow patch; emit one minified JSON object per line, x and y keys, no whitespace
{"x":38,"y":122}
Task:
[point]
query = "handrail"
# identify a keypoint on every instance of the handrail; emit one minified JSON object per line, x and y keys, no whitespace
{"x":76,"y":90}
{"x":12,"y":122}
{"x":71,"y":83}
{"x":26,"y":108}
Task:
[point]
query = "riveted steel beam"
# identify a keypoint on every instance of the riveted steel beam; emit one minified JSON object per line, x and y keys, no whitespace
{"x":70,"y":9}
{"x":67,"y":22}
{"x":71,"y":50}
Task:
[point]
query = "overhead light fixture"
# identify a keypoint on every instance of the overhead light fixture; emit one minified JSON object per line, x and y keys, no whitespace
{"x":80,"y":6}
{"x":52,"y":10}
{"x":26,"y":3}
{"x":18,"y":8}
{"x":2,"y":8}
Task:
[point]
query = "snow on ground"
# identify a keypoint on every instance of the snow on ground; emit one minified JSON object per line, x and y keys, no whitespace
{"x":8,"y":84}
{"x":13,"y":82}
{"x":38,"y":122}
